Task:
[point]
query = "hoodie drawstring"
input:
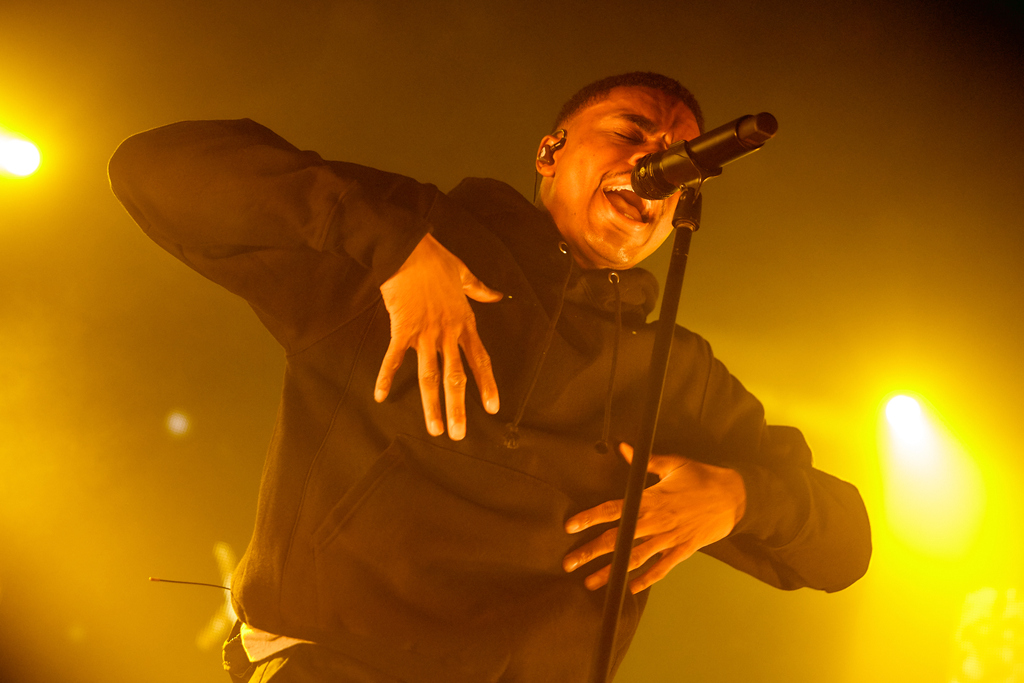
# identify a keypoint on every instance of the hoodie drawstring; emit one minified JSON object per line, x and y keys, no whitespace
{"x":603,"y":446}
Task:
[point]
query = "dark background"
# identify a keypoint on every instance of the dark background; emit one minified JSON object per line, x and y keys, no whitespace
{"x":873,"y":247}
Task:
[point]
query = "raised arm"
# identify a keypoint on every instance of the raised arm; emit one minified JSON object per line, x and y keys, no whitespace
{"x":286,"y":230}
{"x":307,"y":242}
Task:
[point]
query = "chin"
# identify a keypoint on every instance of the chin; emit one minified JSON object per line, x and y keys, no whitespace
{"x":620,"y":259}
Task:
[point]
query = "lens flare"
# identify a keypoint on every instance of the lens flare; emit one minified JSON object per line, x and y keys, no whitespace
{"x":178,"y":423}
{"x":18,"y":157}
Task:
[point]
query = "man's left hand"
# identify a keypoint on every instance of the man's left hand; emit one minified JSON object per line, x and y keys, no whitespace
{"x":426,"y":300}
{"x":692,"y":506}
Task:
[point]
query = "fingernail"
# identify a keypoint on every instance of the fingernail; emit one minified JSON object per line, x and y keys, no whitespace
{"x":379,"y":395}
{"x":436,"y":428}
{"x":572,"y":527}
{"x":492,"y":406}
{"x":570,"y":564}
{"x":592,"y":583}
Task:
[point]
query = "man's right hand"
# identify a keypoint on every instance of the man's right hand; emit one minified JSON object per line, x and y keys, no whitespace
{"x":426,"y":300}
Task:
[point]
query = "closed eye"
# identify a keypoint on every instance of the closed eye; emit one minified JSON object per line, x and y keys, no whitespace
{"x":634,"y":138}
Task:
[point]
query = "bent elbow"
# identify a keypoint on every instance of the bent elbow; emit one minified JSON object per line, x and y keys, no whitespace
{"x":123,"y":166}
{"x":854,"y":557}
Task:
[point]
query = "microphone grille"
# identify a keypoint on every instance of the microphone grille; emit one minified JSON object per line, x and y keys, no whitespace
{"x":756,"y":130}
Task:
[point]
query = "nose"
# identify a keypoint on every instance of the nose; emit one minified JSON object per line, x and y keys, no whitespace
{"x":649,"y":147}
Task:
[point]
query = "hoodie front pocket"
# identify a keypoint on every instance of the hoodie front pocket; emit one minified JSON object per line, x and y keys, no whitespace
{"x":437,"y":552}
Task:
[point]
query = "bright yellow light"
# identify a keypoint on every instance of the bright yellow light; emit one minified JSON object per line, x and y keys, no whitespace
{"x":934,"y":494}
{"x":18,"y":157}
{"x":905,"y":417}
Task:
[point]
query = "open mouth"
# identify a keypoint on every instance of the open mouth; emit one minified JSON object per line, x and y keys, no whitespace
{"x":628,"y":203}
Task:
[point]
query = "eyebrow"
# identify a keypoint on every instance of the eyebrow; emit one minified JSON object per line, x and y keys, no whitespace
{"x":642,"y":122}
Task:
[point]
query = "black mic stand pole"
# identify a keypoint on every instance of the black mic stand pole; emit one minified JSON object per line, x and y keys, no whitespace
{"x":686,"y":221}
{"x":686,"y":164}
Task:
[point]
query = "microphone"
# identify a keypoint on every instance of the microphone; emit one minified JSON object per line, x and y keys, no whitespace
{"x":688,"y":163}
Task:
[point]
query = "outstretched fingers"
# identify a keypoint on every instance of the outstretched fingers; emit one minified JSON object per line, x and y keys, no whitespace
{"x":389,"y":366}
{"x":602,"y":545}
{"x":454,"y":389}
{"x":609,"y":511}
{"x":480,"y":365}
{"x":670,"y":556}
{"x":692,"y":506}
{"x":660,"y":569}
{"x":426,"y":301}
{"x":637,"y":557}
{"x":430,"y":384}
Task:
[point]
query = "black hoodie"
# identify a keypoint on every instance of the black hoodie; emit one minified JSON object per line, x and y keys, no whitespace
{"x":435,"y":560}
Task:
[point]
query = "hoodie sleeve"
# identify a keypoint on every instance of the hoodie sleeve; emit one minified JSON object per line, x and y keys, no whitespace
{"x":802,"y":527}
{"x":305,"y":241}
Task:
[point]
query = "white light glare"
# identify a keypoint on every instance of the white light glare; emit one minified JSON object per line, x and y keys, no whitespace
{"x":905,"y":417}
{"x":934,"y":493}
{"x":178,"y":423}
{"x":18,"y":157}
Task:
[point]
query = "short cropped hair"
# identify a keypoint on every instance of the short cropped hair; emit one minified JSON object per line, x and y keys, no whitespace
{"x":598,"y":90}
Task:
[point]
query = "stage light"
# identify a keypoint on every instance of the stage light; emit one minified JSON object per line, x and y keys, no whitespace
{"x":18,"y":157}
{"x":902,"y":409}
{"x":905,"y":417}
{"x":934,"y":493}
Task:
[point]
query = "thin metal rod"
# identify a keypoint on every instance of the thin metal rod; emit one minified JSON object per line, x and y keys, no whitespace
{"x":686,"y":220}
{"x":191,"y":583}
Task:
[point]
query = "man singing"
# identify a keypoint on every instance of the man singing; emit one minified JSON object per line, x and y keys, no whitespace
{"x":385,"y":551}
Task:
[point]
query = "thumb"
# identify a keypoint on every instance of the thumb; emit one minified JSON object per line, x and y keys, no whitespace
{"x":477,"y":290}
{"x":627,"y":452}
{"x":656,"y":464}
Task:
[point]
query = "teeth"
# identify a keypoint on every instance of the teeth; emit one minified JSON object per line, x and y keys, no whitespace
{"x":645,"y":205}
{"x":629,"y":188}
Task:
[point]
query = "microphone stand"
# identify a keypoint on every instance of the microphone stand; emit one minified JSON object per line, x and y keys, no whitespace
{"x":686,"y":221}
{"x":686,"y":164}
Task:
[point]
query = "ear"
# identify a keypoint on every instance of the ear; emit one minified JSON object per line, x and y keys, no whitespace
{"x":545,"y":161}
